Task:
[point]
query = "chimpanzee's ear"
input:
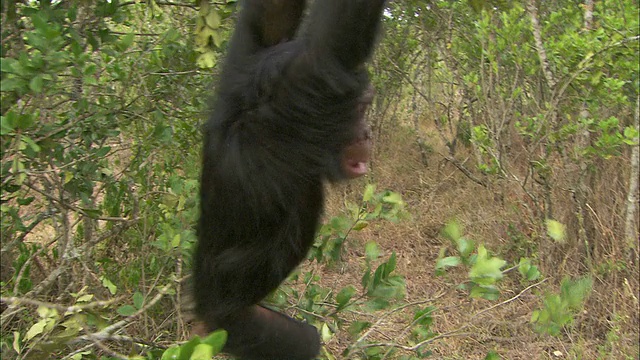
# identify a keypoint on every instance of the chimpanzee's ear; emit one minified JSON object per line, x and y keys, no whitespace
{"x":270,"y":22}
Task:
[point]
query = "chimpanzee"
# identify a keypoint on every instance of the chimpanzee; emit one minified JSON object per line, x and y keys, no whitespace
{"x":289,"y":114}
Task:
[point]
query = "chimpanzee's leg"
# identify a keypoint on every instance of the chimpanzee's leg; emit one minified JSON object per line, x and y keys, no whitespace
{"x":269,"y":335}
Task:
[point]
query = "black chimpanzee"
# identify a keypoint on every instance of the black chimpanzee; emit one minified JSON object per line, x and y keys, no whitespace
{"x":289,"y":114}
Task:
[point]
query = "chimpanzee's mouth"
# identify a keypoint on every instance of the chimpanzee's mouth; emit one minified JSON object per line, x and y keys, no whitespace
{"x":356,"y":158}
{"x":357,"y":168}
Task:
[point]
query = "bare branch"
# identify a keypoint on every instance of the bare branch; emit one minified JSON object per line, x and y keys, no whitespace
{"x":542,"y":53}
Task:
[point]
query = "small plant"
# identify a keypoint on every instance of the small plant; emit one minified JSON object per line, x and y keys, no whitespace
{"x":485,"y":270}
{"x":385,"y":205}
{"x":197,"y":348}
{"x":559,"y":310}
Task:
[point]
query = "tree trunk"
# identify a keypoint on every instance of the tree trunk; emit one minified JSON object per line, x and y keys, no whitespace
{"x":631,"y":221}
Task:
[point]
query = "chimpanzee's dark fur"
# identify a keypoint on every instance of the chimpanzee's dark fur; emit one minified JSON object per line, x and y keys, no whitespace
{"x":287,"y":109}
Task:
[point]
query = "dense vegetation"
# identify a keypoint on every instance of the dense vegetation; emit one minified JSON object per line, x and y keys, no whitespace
{"x":500,"y":219}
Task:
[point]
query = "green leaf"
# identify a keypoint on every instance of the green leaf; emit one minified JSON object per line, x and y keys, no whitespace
{"x":172,"y":35}
{"x":40,"y":20}
{"x":556,"y":230}
{"x":217,"y":38}
{"x":203,"y":39}
{"x":486,"y":270}
{"x":126,"y":310}
{"x":205,"y":7}
{"x":524,"y":266}
{"x":447,"y":262}
{"x":369,"y":190}
{"x":391,"y":265}
{"x":528,"y":271}
{"x":535,"y":315}
{"x":17,"y":167}
{"x":16,"y":342}
{"x":85,"y":298}
{"x":488,"y":292}
{"x":378,"y":275}
{"x":202,"y":352}
{"x":575,"y":292}
{"x":213,"y":19}
{"x":175,"y":242}
{"x":452,"y":231}
{"x":103,"y":151}
{"x":392,"y":198}
{"x":109,"y":285}
{"x":465,"y":247}
{"x":12,"y":84}
{"x":206,"y":60}
{"x":47,"y":312}
{"x":91,"y":69}
{"x":138,"y":300}
{"x":533,"y":273}
{"x":424,"y":316}
{"x":376,"y":304}
{"x":630,"y":136}
{"x":36,"y":84}
{"x":6,"y":64}
{"x":25,"y":201}
{"x":482,"y":252}
{"x":125,"y":42}
{"x":372,"y":251}
{"x":36,"y":329}
{"x":630,"y":132}
{"x":6,"y":126}
{"x":344,"y":296}
{"x":187,"y":348}
{"x":172,"y":353}
{"x":25,"y":121}
{"x":361,"y":224}
{"x":216,"y":340}
{"x":68,"y":176}
{"x":89,"y":80}
{"x":366,"y":278}
{"x":325,"y":333}
{"x":357,"y":327}
{"x":385,"y":292}
{"x":35,"y":147}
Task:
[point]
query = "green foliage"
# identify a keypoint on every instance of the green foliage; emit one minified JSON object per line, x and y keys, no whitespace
{"x":98,"y":173}
{"x":484,"y":271}
{"x":380,"y":287}
{"x":560,"y":309}
{"x":197,"y":348}
{"x":209,"y":31}
{"x":385,"y":205}
{"x":529,"y":272}
{"x":481,"y":137}
{"x":556,"y":230}
{"x":100,"y":111}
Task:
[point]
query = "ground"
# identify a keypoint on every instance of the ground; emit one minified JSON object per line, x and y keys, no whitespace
{"x":435,"y":193}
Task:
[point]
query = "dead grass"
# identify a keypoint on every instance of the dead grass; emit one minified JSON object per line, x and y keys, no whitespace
{"x":504,"y":219}
{"x":438,"y":192}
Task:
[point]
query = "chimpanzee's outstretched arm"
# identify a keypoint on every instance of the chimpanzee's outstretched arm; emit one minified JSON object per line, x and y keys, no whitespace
{"x":345,"y":29}
{"x":264,"y":23}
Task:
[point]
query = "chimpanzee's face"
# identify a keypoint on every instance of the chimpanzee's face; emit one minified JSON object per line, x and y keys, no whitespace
{"x":355,"y":156}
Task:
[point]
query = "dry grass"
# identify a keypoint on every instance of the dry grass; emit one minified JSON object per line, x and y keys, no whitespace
{"x":438,"y":192}
{"x":503,"y":219}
